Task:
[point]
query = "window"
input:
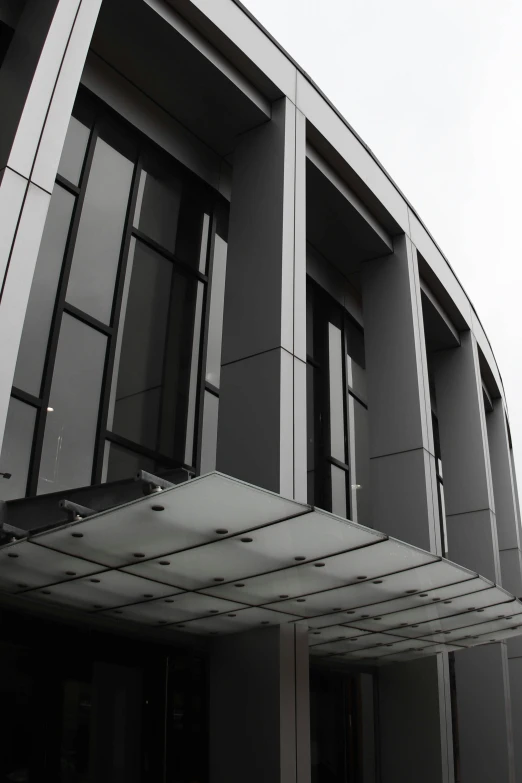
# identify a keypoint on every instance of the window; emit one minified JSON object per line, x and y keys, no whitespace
{"x":110,"y":376}
{"x":338,"y":457}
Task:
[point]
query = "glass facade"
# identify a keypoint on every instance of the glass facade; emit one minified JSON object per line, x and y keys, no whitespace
{"x":90,"y":707}
{"x":121,"y":347}
{"x":342,"y":727}
{"x":338,"y":456}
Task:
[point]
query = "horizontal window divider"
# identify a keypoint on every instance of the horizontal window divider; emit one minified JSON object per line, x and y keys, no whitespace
{"x":30,"y":399}
{"x":356,"y":397}
{"x":144,"y":451}
{"x":88,"y":319}
{"x":67,"y":185}
{"x":162,"y":251}
{"x":212,"y":389}
{"x":338,"y":464}
{"x":312,"y":361}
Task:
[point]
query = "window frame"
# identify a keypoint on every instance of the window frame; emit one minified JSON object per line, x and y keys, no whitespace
{"x":103,"y":116}
{"x":327,"y":310}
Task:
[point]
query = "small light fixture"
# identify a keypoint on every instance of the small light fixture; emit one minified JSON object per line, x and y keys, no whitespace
{"x":356,"y":486}
{"x":50,"y":410}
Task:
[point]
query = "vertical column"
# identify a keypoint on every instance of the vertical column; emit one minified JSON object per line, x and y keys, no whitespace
{"x":414,"y":703}
{"x":402,"y":462}
{"x":38,"y":82}
{"x":504,"y":490}
{"x":262,"y":417}
{"x":482,"y":675}
{"x":508,"y":531}
{"x":259,"y":707}
{"x":416,"y":742}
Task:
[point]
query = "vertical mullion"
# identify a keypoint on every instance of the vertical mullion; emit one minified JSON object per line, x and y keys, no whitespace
{"x":347,"y":422}
{"x":110,"y":355}
{"x":200,"y":401}
{"x":52,"y":346}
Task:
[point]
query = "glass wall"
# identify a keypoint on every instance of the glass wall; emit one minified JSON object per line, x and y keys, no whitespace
{"x":118,"y":366}
{"x":338,"y":456}
{"x":342,"y":727}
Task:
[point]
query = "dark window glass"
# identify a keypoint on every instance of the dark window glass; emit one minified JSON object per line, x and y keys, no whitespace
{"x":37,"y":324}
{"x":210,"y":430}
{"x":338,"y":458}
{"x":335,"y":724}
{"x":217,"y":301}
{"x":192,"y":235}
{"x":73,"y":153}
{"x":99,"y":238}
{"x":16,"y":449}
{"x":360,"y":477}
{"x":311,"y":432}
{"x":153,"y":365}
{"x":158,"y":203}
{"x":70,"y":428}
{"x":336,"y":393}
{"x":339,"y":496}
{"x":194,"y":376}
{"x":122,"y":463}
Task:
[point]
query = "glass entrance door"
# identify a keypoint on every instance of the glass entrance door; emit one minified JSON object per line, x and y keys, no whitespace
{"x":86,"y":707}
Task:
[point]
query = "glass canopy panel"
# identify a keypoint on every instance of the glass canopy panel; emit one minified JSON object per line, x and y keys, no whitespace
{"x":333,"y":632}
{"x":473,"y":624}
{"x":265,"y":549}
{"x":433,"y":617}
{"x":178,"y":608}
{"x":362,"y":595}
{"x":220,"y":521}
{"x":232,"y":622}
{"x":366,"y":641}
{"x":369,"y":563}
{"x":191,"y":514}
{"x":386,"y":648}
{"x":25,"y":565}
{"x":106,"y":589}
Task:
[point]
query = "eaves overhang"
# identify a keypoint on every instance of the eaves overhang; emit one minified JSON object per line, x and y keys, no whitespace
{"x":216,"y":556}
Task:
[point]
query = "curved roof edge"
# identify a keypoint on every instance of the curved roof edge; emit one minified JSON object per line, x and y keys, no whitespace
{"x":343,"y":119}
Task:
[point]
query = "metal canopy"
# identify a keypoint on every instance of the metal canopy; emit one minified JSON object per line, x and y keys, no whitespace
{"x":216,"y":556}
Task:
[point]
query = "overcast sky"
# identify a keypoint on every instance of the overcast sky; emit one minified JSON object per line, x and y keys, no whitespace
{"x":434,"y":87}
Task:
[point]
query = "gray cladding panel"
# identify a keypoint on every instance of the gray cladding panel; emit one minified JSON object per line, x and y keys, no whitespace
{"x":392,"y":361}
{"x":462,"y":438}
{"x":252,"y":320}
{"x":472,"y":542}
{"x":401,"y":503}
{"x":483,"y":714}
{"x":409,"y":703}
{"x":249,"y":418}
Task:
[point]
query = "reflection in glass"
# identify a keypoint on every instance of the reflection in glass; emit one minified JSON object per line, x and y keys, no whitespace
{"x":158,"y":204}
{"x":98,"y":243}
{"x":310,"y":432}
{"x":339,"y":505}
{"x":122,"y":463}
{"x":209,"y":434}
{"x":193,"y":381}
{"x":152,"y":369}
{"x":37,"y":324}
{"x":336,"y":391}
{"x":16,"y":449}
{"x":73,"y":152}
{"x":217,"y":302}
{"x":70,"y":428}
{"x":360,"y":475}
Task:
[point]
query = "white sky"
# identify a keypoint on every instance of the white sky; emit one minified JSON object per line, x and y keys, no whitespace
{"x":434,"y":87}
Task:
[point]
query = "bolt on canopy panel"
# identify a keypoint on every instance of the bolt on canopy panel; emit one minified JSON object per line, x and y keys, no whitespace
{"x":216,"y":556}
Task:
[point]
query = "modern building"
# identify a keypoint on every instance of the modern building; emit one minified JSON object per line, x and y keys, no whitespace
{"x":259,"y":516}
